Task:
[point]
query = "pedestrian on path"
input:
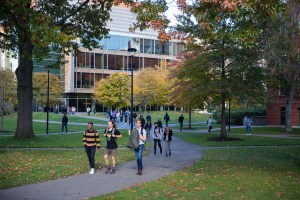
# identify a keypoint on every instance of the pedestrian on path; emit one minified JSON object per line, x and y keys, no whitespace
{"x":180,"y":120}
{"x":91,"y":142}
{"x":111,"y":134}
{"x":167,"y":119}
{"x":168,"y":133}
{"x":139,"y":152}
{"x":209,"y":123}
{"x":157,"y":135}
{"x":64,"y":123}
{"x":248,"y":122}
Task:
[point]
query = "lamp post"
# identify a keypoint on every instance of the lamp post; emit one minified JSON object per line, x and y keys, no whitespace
{"x":47,"y":127}
{"x":131,"y":52}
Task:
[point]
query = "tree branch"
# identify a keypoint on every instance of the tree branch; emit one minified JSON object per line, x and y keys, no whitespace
{"x":61,"y":22}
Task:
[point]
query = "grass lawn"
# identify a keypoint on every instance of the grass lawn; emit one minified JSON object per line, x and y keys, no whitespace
{"x":32,"y":166}
{"x":266,"y":130}
{"x":73,"y":140}
{"x":235,"y":173}
{"x":202,"y":140}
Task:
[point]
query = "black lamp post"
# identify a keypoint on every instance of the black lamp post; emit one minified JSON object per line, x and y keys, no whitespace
{"x":47,"y":127}
{"x":131,"y":52}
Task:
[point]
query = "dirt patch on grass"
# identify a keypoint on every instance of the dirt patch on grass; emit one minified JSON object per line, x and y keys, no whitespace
{"x":224,"y":139}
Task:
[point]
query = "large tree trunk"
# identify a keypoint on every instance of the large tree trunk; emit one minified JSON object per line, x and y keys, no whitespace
{"x":24,"y":91}
{"x":190,"y":118}
{"x":288,"y":108}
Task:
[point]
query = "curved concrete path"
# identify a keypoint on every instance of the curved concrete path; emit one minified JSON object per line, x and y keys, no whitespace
{"x":84,"y":186}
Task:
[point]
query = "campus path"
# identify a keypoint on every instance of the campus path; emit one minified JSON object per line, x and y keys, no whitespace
{"x":84,"y":186}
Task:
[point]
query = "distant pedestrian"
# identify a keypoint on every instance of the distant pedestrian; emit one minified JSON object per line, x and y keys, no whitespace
{"x":111,"y":134}
{"x":94,"y":111}
{"x":168,"y":133}
{"x":139,"y":151}
{"x":159,"y":123}
{"x":248,"y":123}
{"x":64,"y":123}
{"x":88,"y":110}
{"x":209,"y":123}
{"x":148,"y":118}
{"x":147,"y":127}
{"x":167,"y":119}
{"x":180,"y":120}
{"x":91,"y":142}
{"x":142,"y":121}
{"x":157,"y":135}
{"x":134,"y":116}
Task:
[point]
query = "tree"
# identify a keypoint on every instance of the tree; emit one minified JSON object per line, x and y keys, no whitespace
{"x":7,"y":92}
{"x":40,"y":88}
{"x":283,"y":43}
{"x":225,"y":54}
{"x":33,"y":28}
{"x":151,"y":86}
{"x":113,"y":90}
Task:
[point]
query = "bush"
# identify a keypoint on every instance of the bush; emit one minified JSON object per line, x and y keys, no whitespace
{"x":237,"y":116}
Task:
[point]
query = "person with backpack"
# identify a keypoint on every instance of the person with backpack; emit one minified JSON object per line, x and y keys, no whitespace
{"x":209,"y":123}
{"x":91,"y":142}
{"x":180,"y":120}
{"x":157,"y":135}
{"x":139,"y":151}
{"x":111,"y":134}
{"x":167,"y":119}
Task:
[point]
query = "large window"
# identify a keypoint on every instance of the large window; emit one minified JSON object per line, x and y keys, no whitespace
{"x":124,"y":43}
{"x":113,"y":42}
{"x":148,"y":46}
{"x":99,"y":61}
{"x":150,"y":62}
{"x":81,"y":59}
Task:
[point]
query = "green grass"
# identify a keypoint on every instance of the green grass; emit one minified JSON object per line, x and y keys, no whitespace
{"x":247,"y":173}
{"x":266,"y":130}
{"x":202,"y":140}
{"x":56,"y":141}
{"x":32,"y":166}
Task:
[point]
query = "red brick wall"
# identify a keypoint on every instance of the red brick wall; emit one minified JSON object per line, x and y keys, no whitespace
{"x":274,"y":109}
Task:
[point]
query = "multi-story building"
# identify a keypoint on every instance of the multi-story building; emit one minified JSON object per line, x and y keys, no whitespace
{"x":81,"y":71}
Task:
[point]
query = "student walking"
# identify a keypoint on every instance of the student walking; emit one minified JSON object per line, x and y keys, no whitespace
{"x":111,"y":134}
{"x":209,"y":123}
{"x":157,"y":135}
{"x":168,"y":133}
{"x":91,"y":142}
{"x":139,"y":151}
{"x":167,"y":119}
{"x":248,"y":123}
{"x":180,"y":120}
{"x":64,"y":123}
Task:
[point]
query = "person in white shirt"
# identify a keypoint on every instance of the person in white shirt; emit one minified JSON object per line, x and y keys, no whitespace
{"x":139,"y":152}
{"x":157,"y":135}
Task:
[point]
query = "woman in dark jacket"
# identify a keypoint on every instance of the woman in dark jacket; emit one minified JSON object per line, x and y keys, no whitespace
{"x":168,"y":133}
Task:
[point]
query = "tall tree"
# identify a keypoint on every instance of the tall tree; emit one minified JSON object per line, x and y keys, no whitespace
{"x":40,"y":88}
{"x":225,"y":59}
{"x":283,"y":40}
{"x":32,"y":28}
{"x":113,"y":90}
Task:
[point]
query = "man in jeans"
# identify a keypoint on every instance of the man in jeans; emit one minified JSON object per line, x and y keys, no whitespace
{"x":139,"y":152}
{"x":111,"y":134}
{"x":64,"y":123}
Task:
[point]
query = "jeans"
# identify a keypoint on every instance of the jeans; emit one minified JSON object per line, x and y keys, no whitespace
{"x":64,"y":126}
{"x":248,"y":129}
{"x":181,"y":125}
{"x":90,"y":152}
{"x":159,"y":145}
{"x":168,"y":147}
{"x":139,"y":154}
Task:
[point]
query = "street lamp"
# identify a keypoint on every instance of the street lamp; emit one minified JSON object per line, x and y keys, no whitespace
{"x":47,"y":126}
{"x":131,"y":52}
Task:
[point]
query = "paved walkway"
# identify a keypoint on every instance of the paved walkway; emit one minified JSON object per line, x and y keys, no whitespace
{"x":85,"y":185}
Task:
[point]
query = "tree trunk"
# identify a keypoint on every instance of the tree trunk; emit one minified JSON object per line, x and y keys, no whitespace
{"x":24,"y":91}
{"x":190,"y":118}
{"x":288,"y":108}
{"x":223,"y":120}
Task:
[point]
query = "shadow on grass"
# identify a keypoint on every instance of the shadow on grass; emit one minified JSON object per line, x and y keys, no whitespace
{"x":224,"y":139}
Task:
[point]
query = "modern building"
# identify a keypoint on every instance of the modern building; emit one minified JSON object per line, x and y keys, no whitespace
{"x":83,"y":70}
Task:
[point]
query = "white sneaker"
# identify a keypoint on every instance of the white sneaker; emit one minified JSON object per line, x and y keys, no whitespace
{"x":92,"y":171}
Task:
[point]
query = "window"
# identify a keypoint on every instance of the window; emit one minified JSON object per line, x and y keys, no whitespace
{"x":148,"y":46}
{"x":99,"y":61}
{"x":81,"y":59}
{"x":124,"y":43}
{"x":113,"y":42}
